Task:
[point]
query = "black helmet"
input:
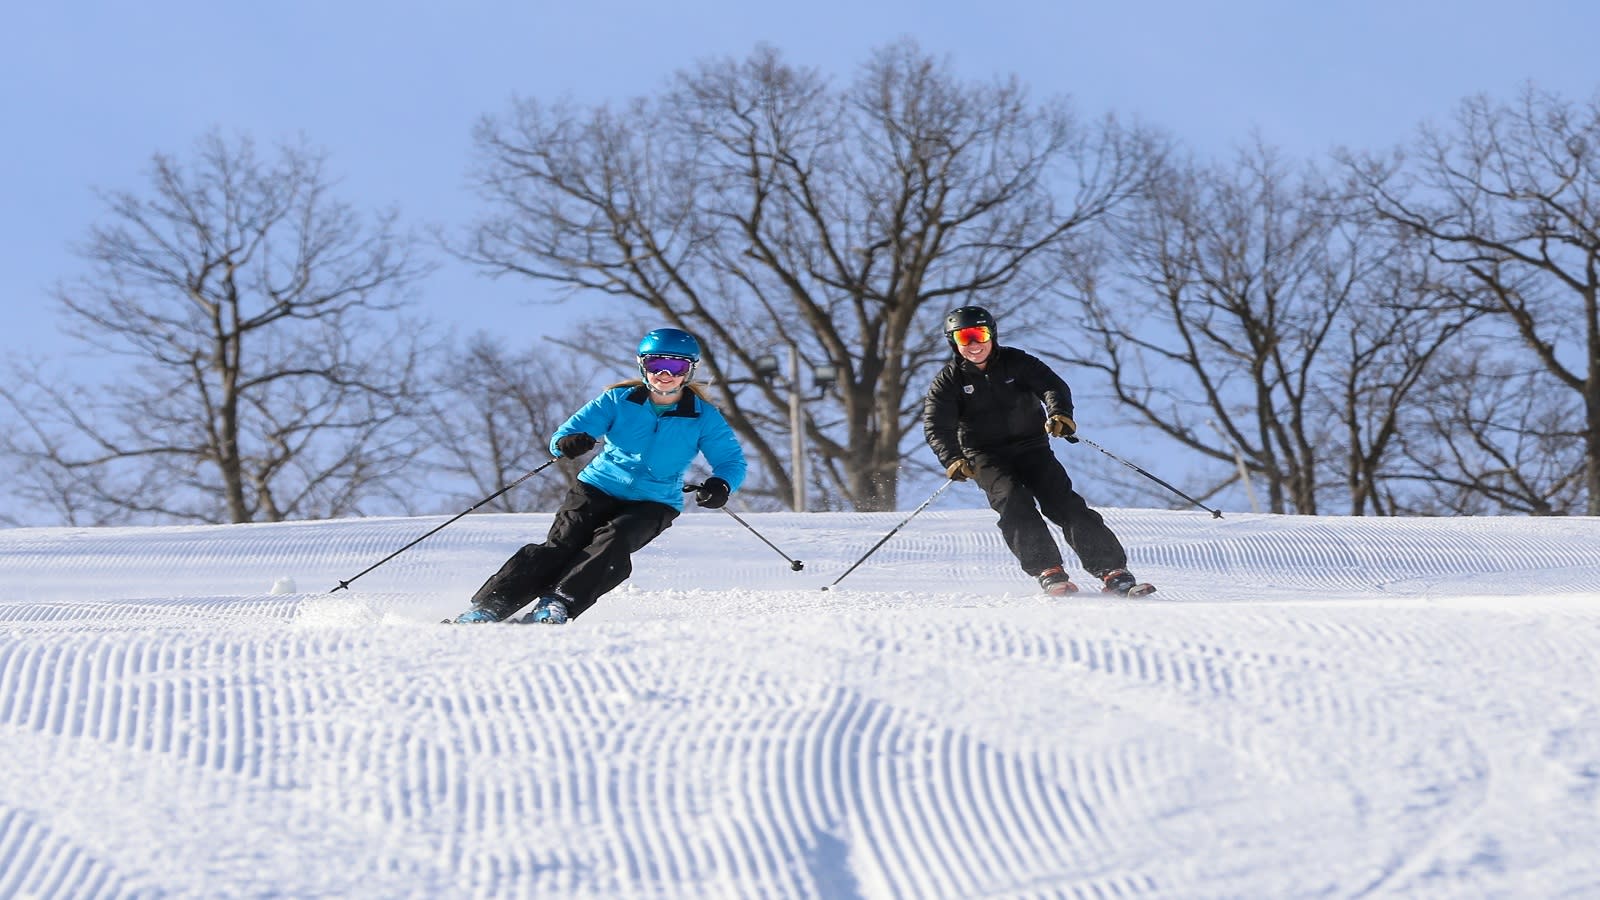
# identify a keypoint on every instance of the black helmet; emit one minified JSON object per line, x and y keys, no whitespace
{"x":968,"y":317}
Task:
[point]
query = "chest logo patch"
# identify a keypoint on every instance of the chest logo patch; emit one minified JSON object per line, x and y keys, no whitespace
{"x":966,"y":389}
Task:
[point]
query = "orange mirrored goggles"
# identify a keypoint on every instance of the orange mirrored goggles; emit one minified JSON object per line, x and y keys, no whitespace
{"x":977,"y":334}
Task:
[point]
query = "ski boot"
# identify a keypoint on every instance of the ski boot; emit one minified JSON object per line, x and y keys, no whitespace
{"x":473,"y":616}
{"x":1122,"y":583}
{"x":550,"y":610}
{"x":487,"y":609}
{"x":1055,"y":582}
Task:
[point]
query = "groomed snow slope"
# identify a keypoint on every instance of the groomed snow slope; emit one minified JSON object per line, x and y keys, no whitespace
{"x":1309,"y":706}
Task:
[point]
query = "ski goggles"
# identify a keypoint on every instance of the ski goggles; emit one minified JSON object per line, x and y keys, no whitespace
{"x":676,"y":366}
{"x":977,"y":334}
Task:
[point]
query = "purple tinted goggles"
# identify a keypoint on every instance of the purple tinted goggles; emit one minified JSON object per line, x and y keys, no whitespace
{"x":676,"y":366}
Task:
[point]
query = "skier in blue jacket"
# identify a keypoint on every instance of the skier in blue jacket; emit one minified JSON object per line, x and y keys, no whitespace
{"x":654,"y":427}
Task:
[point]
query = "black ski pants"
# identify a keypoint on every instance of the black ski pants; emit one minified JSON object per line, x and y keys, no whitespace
{"x":1021,"y":483}
{"x":587,"y":553}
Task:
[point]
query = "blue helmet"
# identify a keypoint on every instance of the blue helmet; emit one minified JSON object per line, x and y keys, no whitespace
{"x":670,"y":342}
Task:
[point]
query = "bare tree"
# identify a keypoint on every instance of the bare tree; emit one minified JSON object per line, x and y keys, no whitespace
{"x":1256,"y":304}
{"x":493,"y":418}
{"x":757,"y":207}
{"x":1375,"y":379}
{"x":1510,"y":200}
{"x":1491,"y":438}
{"x":269,"y":376}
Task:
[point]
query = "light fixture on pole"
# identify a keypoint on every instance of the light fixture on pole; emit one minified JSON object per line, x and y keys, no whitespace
{"x":823,"y":376}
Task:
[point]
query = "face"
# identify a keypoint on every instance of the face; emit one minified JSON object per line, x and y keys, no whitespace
{"x":666,"y":374}
{"x":975,"y":344}
{"x":663,"y":383}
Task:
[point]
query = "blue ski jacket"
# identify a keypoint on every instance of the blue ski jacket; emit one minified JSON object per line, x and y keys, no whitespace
{"x":645,"y":455}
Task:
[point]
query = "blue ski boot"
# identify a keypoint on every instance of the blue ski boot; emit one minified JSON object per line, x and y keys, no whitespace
{"x":550,"y":610}
{"x":486,"y":609}
{"x":474,"y":616}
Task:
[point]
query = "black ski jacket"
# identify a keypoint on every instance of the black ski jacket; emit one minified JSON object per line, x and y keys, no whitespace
{"x":1001,"y":407}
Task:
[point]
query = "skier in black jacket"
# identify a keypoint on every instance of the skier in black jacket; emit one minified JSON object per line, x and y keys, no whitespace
{"x":989,"y":416}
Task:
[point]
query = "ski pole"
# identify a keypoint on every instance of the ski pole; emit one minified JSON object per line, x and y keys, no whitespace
{"x":1215,"y":513}
{"x":885,"y":538}
{"x":794,"y":564}
{"x":542,"y":466}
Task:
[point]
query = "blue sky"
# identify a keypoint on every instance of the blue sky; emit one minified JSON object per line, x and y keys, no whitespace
{"x":90,"y":90}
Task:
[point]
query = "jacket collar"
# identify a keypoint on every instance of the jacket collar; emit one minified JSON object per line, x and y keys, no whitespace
{"x":684,"y":407}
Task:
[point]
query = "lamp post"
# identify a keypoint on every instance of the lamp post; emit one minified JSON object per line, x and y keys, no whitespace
{"x":823,"y":376}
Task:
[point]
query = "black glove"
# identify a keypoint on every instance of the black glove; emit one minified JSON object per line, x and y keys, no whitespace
{"x":573,"y":446}
{"x":1062,"y":427}
{"x":713,"y":494}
